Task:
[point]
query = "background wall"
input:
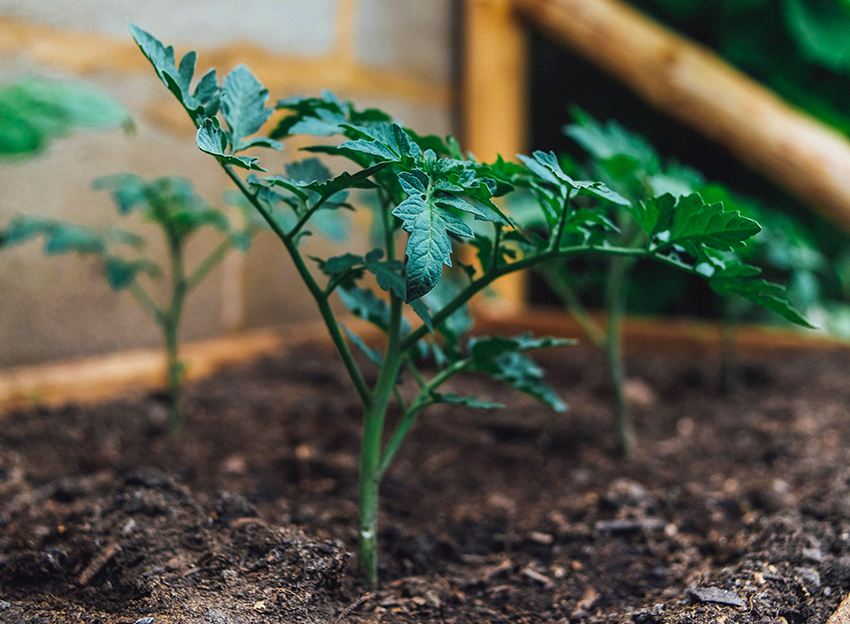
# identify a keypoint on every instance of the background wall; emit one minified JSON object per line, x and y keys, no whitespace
{"x":396,"y":54}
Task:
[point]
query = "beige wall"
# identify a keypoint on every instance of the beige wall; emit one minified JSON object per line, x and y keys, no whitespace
{"x":391,"y":53}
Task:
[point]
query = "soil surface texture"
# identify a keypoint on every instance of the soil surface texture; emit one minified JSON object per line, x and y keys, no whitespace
{"x":735,"y":507}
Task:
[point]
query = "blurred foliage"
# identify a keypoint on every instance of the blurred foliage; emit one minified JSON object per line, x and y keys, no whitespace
{"x":787,"y":249}
{"x":798,"y":48}
{"x":35,"y":111}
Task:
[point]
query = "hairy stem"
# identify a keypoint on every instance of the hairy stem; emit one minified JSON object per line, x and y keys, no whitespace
{"x":370,"y":454}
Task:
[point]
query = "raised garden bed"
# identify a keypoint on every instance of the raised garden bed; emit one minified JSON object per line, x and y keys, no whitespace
{"x":735,"y":508}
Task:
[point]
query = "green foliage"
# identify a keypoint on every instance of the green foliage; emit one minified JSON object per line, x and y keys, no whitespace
{"x":180,"y":212}
{"x":799,"y":48}
{"x":34,"y":111}
{"x":423,"y":187}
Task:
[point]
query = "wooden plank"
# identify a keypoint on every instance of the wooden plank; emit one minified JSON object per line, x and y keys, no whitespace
{"x":87,"y":52}
{"x":693,"y":85}
{"x":666,"y":336}
{"x":103,"y":377}
{"x":91,"y":379}
{"x":494,"y":101}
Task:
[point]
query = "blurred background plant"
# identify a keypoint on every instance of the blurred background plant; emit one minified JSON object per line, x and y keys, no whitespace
{"x":35,"y":111}
{"x":172,"y":204}
{"x":785,"y":248}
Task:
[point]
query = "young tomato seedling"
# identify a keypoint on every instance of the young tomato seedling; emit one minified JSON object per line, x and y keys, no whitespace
{"x":627,"y":163}
{"x":427,"y":190}
{"x":174,"y":206}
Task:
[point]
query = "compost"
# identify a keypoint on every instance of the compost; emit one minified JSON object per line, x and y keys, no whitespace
{"x":735,"y":507}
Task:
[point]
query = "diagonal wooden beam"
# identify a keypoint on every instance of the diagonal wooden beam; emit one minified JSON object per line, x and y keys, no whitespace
{"x":690,"y":83}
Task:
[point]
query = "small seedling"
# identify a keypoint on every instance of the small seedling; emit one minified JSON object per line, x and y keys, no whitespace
{"x":176,"y":208}
{"x":631,"y":166}
{"x":428,"y":191}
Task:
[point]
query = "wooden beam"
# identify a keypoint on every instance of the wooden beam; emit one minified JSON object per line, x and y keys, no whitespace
{"x":494,"y":98}
{"x":103,"y":377}
{"x":693,"y":85}
{"x":673,"y":336}
{"x":86,"y":52}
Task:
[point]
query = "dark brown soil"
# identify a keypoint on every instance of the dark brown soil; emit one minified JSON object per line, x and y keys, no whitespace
{"x":735,"y":508}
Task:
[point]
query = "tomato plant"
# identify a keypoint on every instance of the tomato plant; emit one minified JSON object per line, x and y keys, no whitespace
{"x":435,"y":198}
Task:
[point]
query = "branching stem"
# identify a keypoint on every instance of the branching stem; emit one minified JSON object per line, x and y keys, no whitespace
{"x":316,"y":291}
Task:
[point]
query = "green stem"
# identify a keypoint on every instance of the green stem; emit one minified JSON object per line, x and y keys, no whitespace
{"x":616,"y":303}
{"x":306,"y":217}
{"x":171,"y":330}
{"x":370,"y":454}
{"x":146,"y":301}
{"x":315,"y":290}
{"x":422,"y":400}
{"x":208,"y":264}
{"x":558,"y":281}
{"x":558,"y":234}
{"x":496,"y":272}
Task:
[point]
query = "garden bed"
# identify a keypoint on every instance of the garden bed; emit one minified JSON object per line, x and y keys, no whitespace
{"x":736,"y":507}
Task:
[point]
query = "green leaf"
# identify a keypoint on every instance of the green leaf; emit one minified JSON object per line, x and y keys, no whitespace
{"x":547,"y":168}
{"x":467,"y":401}
{"x":820,"y":30}
{"x":502,"y":359}
{"x":341,"y":264}
{"x":204,"y":102}
{"x":128,"y":191}
{"x":24,"y":228}
{"x":364,"y":304}
{"x":212,"y":140}
{"x":34,"y":111}
{"x":243,"y":105}
{"x":389,"y":275}
{"x":740,"y":279}
{"x":161,"y":57}
{"x":120,"y":273}
{"x":65,"y":238}
{"x":345,"y":180}
{"x":655,"y":215}
{"x":373,"y":354}
{"x":484,"y":348}
{"x":521,"y":373}
{"x":387,"y":142}
{"x":429,"y":224}
{"x":609,"y":140}
{"x":695,"y":222}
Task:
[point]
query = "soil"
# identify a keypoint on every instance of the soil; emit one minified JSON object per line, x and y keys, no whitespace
{"x":735,"y":507}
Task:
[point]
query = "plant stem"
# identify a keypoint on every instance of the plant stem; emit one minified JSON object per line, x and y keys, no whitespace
{"x":370,"y":455}
{"x":422,"y":400}
{"x":206,"y":265}
{"x":558,"y":281}
{"x":315,"y":290}
{"x":616,"y":303}
{"x":496,"y":272}
{"x":171,"y":329}
{"x":146,"y":301}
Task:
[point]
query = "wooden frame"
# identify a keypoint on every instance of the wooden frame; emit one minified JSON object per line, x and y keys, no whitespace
{"x":680,"y":78}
